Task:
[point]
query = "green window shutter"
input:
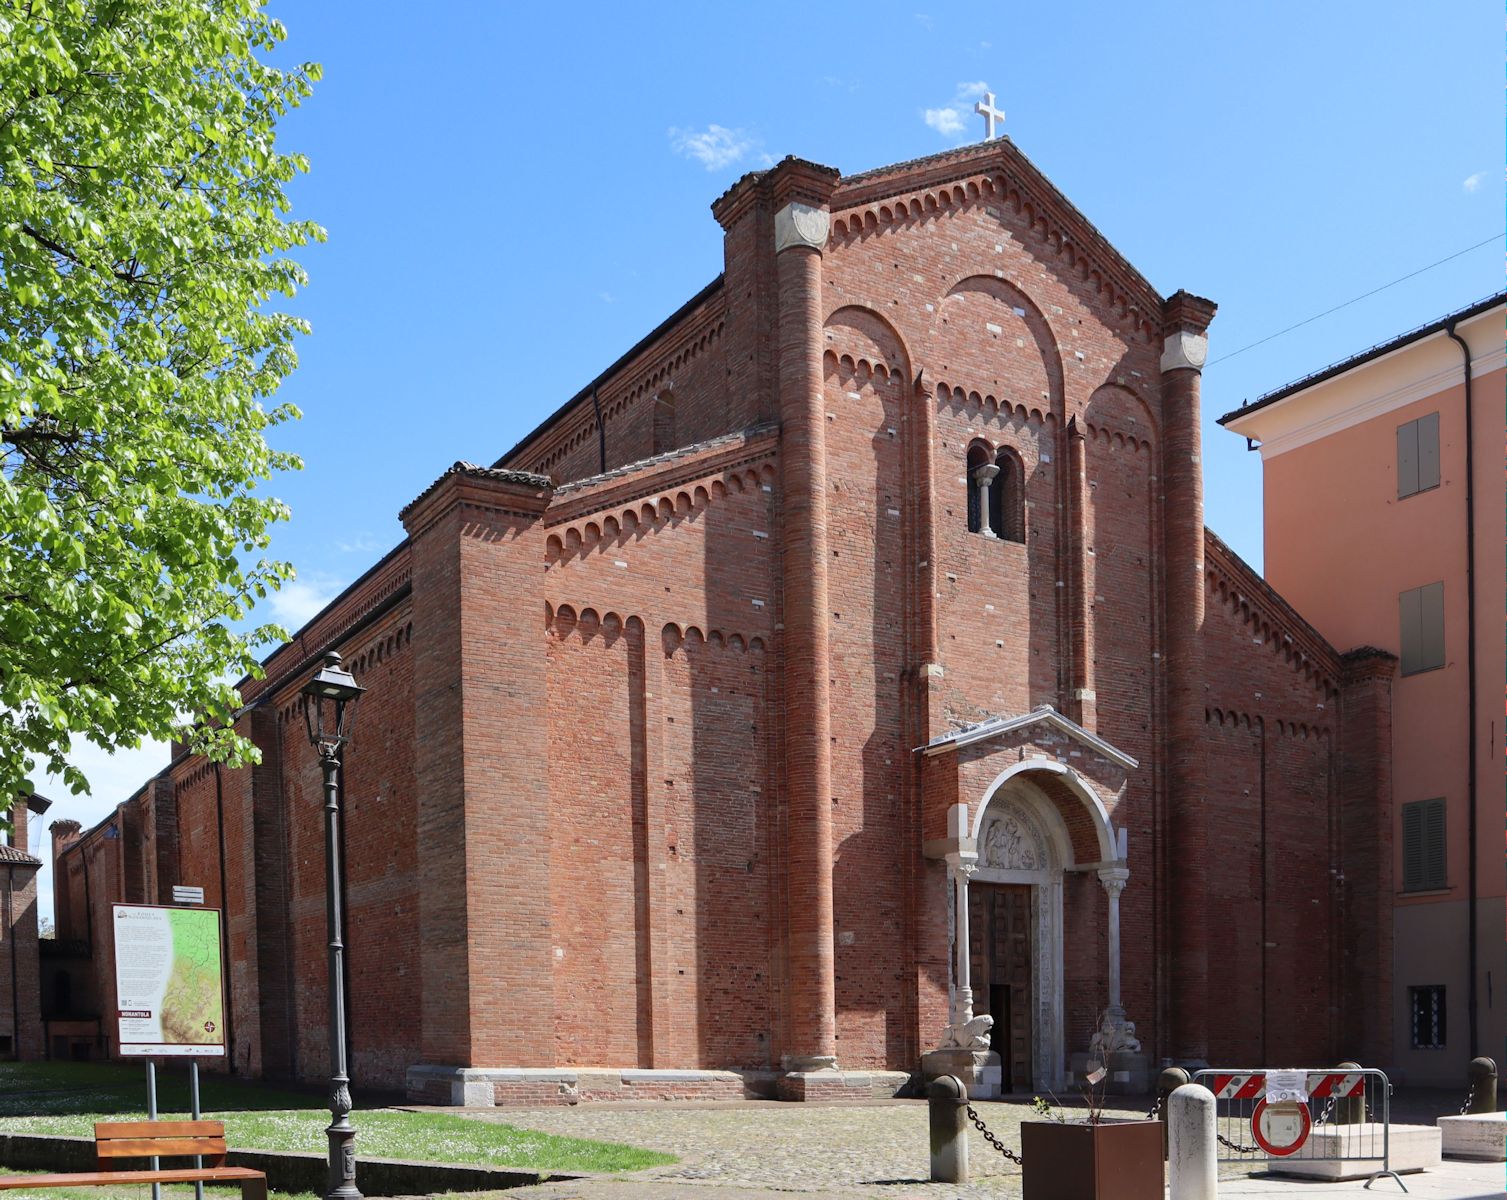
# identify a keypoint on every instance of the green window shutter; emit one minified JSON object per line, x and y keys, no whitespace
{"x":1434,"y":874}
{"x":1428,"y":452}
{"x":1431,"y":626}
{"x":1408,"y":630}
{"x":1412,"y":847}
{"x":1407,"y":459}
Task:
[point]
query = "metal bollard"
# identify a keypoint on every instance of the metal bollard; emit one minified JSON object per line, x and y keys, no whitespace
{"x":1350,"y":1110}
{"x":947,"y":1107}
{"x":1192,"y":1164}
{"x":1167,"y":1082}
{"x":1482,"y":1077}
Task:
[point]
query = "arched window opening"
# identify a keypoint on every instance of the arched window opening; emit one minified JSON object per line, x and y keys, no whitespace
{"x":980,"y":471}
{"x":664,"y":423}
{"x":1007,"y":499}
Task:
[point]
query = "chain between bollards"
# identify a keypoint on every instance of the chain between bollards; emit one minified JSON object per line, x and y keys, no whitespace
{"x":989,"y":1137}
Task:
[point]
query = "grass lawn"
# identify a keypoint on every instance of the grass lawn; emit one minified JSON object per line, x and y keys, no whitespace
{"x":170,"y":1191}
{"x":67,"y":1098}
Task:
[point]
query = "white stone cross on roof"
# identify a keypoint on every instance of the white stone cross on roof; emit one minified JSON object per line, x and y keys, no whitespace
{"x":985,"y":108}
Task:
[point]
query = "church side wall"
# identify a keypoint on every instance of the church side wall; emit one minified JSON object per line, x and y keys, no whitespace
{"x":680,"y":381}
{"x":664,"y":877}
{"x":379,"y":810}
{"x":1273,"y":769}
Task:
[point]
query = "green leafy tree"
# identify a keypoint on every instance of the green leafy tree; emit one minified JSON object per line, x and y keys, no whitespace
{"x":143,"y":240}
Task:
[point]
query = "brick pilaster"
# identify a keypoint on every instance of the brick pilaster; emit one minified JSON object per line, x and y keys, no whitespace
{"x":1082,"y":698}
{"x":799,"y":196}
{"x":1185,"y":318}
{"x":482,"y":769}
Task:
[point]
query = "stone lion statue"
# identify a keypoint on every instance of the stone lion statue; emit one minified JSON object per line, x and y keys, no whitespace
{"x":970,"y":1035}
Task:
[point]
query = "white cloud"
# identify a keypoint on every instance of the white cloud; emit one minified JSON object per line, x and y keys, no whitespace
{"x":714,"y":147}
{"x":951,"y":119}
{"x":361,"y":543}
{"x":1472,"y":182}
{"x":607,"y":297}
{"x":299,"y":600}
{"x":925,"y":21}
{"x":948,"y":121}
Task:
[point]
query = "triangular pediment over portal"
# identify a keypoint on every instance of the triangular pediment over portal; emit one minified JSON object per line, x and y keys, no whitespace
{"x":964,"y":767}
{"x":1044,"y":726}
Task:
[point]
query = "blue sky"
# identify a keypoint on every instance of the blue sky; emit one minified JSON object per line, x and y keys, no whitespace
{"x":516,"y":193}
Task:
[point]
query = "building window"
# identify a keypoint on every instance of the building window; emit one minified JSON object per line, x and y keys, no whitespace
{"x":1418,"y":456}
{"x":1423,"y":865}
{"x":1421,"y":628}
{"x":980,"y":479}
{"x":1007,"y":508}
{"x":1427,"y":1004}
{"x":996,"y":493}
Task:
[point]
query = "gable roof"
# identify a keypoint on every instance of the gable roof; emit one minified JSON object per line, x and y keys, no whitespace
{"x":15,"y":856}
{"x":1000,"y":154}
{"x":1043,"y":715}
{"x":1439,"y":325}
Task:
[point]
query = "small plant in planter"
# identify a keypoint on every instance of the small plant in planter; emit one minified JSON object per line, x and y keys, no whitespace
{"x":1096,"y":1158}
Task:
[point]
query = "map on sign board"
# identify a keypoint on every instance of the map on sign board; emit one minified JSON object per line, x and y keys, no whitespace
{"x":168,"y":987}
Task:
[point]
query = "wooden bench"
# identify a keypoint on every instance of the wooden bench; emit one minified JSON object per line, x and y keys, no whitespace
{"x":153,"y":1139}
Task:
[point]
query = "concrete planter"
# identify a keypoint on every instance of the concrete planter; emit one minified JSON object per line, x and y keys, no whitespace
{"x":1114,"y":1160}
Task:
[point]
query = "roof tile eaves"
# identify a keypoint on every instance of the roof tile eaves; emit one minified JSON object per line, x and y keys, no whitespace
{"x":669,"y":456}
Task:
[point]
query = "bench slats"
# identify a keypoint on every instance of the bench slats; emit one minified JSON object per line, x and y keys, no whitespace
{"x":153,"y":1139}
{"x":162,"y":1147}
{"x":12,"y":1183}
{"x":149,"y":1129}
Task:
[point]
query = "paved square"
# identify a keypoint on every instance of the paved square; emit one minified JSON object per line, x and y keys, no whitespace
{"x":740,"y":1151}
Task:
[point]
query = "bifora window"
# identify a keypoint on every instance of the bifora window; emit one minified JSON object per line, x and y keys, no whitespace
{"x":996,"y":493}
{"x":1427,"y":1004}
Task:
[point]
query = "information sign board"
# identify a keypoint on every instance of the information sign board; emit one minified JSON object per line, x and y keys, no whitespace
{"x":168,"y":980}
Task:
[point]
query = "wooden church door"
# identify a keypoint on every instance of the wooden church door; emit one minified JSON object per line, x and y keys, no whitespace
{"x":1000,"y":938}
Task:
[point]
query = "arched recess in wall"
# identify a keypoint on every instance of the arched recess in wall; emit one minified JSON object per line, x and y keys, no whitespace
{"x":986,"y":309}
{"x":1116,"y":409}
{"x":864,"y":335}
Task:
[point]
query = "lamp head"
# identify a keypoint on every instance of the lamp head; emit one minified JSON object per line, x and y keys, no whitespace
{"x":332,"y":689}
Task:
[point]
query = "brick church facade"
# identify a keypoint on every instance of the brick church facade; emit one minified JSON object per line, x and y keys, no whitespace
{"x":869,"y":592}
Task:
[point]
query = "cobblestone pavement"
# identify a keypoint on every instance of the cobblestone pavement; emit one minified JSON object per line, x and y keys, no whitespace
{"x":762,"y":1150}
{"x":753,"y":1148}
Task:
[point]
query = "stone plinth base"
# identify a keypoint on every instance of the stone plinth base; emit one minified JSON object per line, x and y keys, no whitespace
{"x":1413,"y":1148}
{"x":1129,"y":1074}
{"x":841,"y":1085}
{"x":979,"y":1070}
{"x":1481,"y":1137}
{"x":486,"y":1087}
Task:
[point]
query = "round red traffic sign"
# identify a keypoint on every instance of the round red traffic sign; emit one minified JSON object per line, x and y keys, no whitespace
{"x":1281,"y":1128}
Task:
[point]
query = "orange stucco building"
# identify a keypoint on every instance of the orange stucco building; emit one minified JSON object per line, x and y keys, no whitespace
{"x":1384,"y":527}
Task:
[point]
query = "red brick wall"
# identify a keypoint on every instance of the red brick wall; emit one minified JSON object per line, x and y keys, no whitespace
{"x":1273,"y":767}
{"x":571,"y":815}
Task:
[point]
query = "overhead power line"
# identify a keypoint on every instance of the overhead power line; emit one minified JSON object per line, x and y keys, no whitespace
{"x":1358,"y":299}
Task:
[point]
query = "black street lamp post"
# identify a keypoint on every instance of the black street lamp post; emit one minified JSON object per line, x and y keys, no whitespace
{"x":334,"y":687}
